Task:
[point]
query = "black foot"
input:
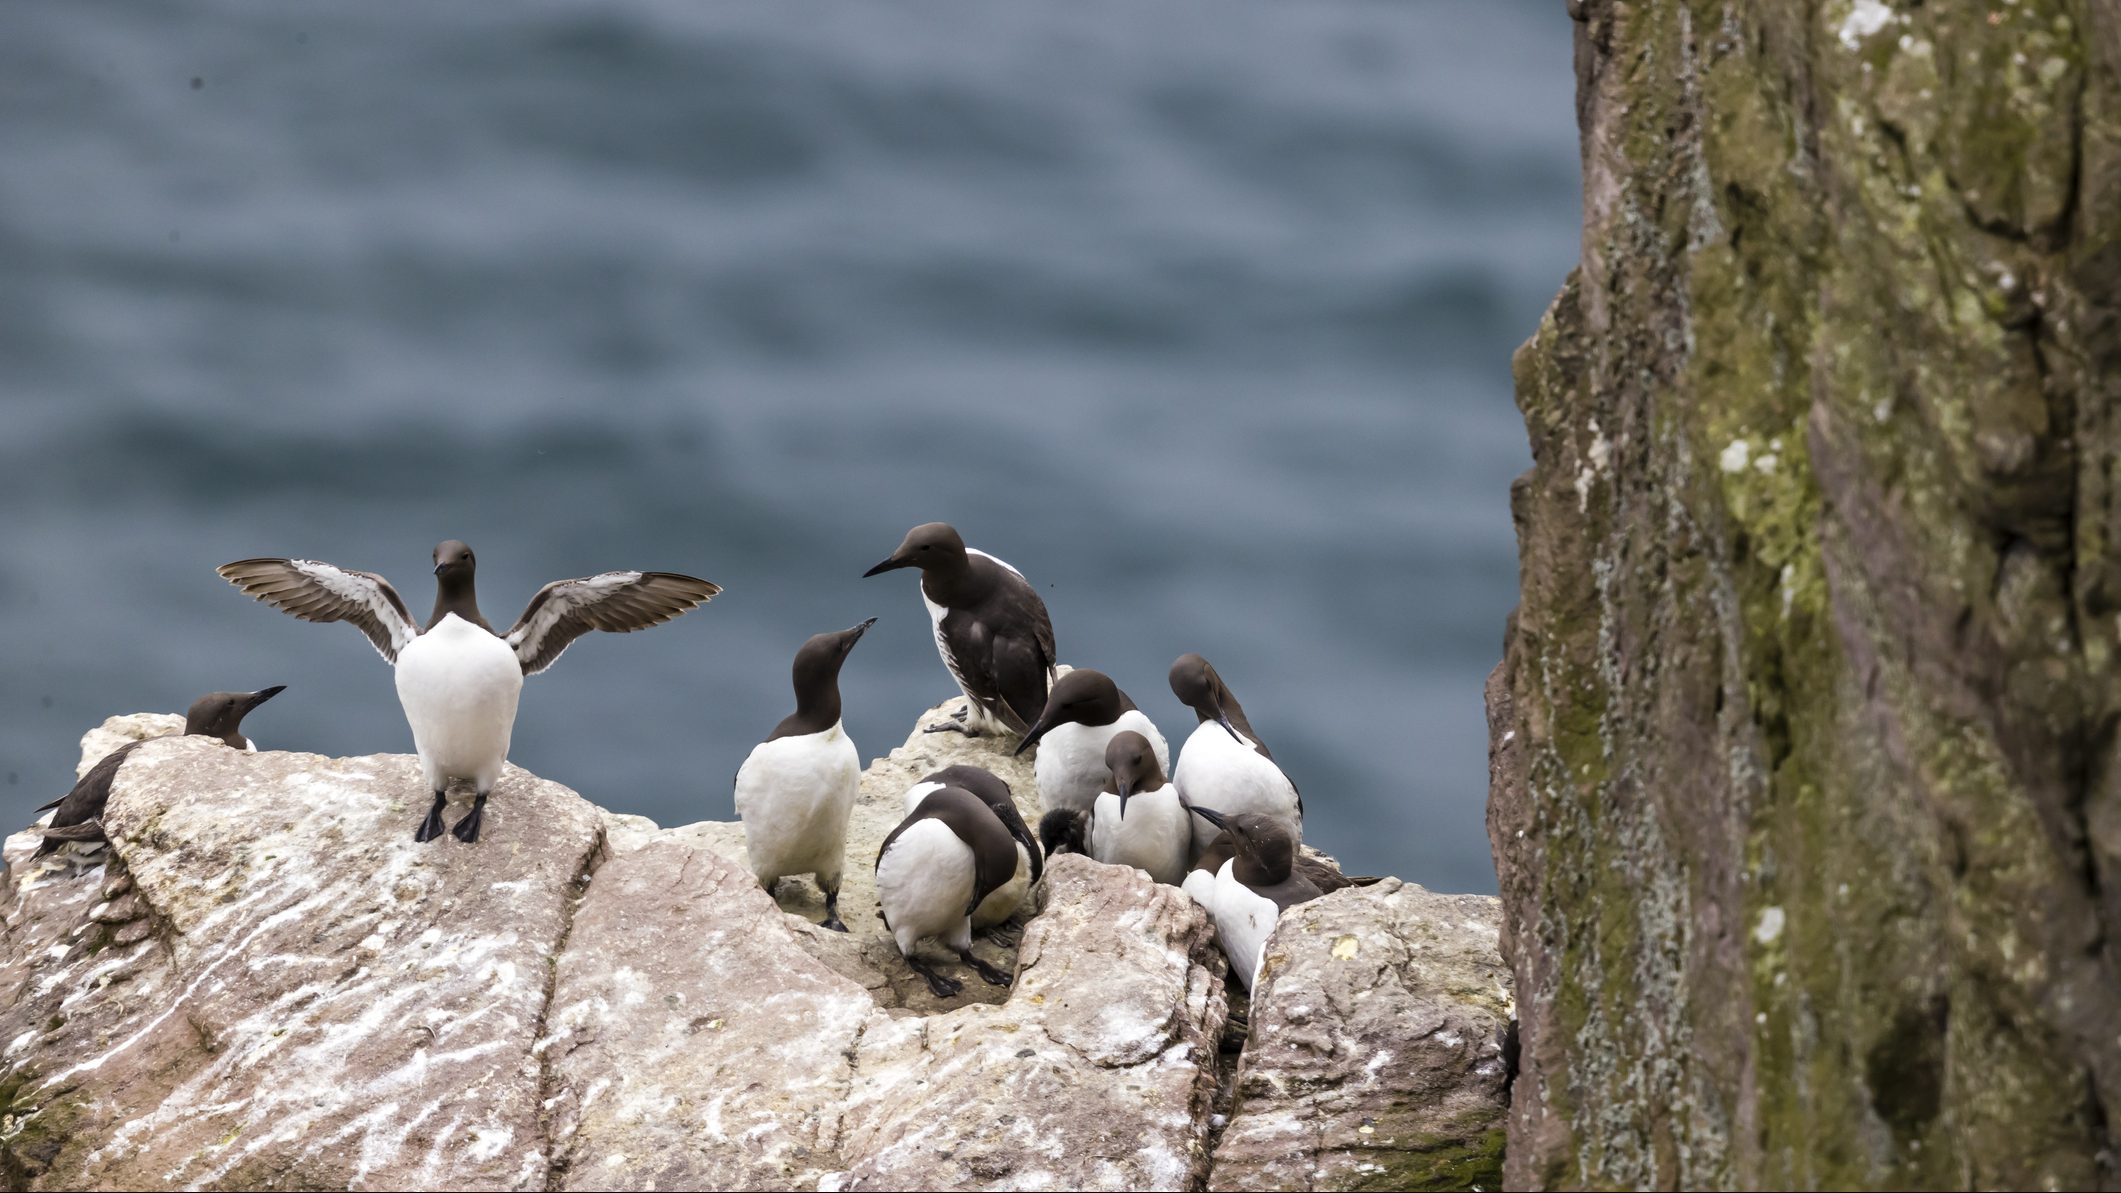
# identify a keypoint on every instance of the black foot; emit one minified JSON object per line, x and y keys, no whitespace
{"x":1005,"y":936}
{"x":467,"y":829}
{"x":950,"y":727}
{"x":939,"y":985}
{"x":832,"y":913}
{"x":987,"y":973}
{"x":431,"y":827}
{"x":832,"y":922}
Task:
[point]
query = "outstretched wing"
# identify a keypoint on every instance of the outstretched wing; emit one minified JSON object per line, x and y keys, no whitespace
{"x":619,"y":602}
{"x":316,"y":591}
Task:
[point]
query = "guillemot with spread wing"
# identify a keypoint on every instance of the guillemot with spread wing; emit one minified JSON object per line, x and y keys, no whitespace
{"x":457,"y":678}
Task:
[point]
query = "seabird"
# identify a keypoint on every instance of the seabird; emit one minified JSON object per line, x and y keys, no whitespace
{"x":457,"y":679}
{"x":1140,"y":819}
{"x":996,"y":908}
{"x":940,"y":863}
{"x":794,"y":791}
{"x":1082,"y":714}
{"x":1200,"y":879}
{"x":1224,"y":765}
{"x":80,"y":811}
{"x":990,"y":627}
{"x":1254,"y":887}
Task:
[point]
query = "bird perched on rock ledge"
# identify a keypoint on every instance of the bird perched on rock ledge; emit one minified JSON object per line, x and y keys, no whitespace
{"x":457,"y":679}
{"x":796,"y":788}
{"x":990,"y":627}
{"x":80,"y":811}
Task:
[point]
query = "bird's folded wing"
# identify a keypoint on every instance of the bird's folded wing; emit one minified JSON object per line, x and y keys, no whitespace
{"x":87,"y":830}
{"x":617,"y":602}
{"x":316,"y":591}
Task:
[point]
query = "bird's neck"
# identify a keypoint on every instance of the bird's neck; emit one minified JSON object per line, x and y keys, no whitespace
{"x":953,"y":584}
{"x":458,"y":595}
{"x":820,"y":705}
{"x":1255,"y":871}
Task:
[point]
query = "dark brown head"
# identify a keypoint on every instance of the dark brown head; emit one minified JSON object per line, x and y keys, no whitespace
{"x":1134,"y":768}
{"x":1265,"y":851}
{"x":220,"y":714}
{"x":817,"y":680}
{"x":1081,"y":697}
{"x":1198,"y":687}
{"x":453,"y":559}
{"x":931,"y":546}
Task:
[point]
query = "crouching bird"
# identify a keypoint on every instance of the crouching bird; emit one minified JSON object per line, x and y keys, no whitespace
{"x":458,"y":679}
{"x":934,"y":870}
{"x":80,"y":811}
{"x":1251,"y":890}
{"x":995,"y":910}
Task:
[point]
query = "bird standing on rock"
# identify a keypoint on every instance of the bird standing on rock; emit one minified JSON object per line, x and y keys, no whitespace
{"x":940,"y":863}
{"x":1082,"y":714}
{"x":990,"y":627}
{"x":1224,"y":765}
{"x":457,"y":679}
{"x":80,"y":811}
{"x":796,"y":788}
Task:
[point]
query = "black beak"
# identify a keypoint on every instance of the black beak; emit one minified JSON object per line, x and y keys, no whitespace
{"x":1210,"y":815}
{"x":439,"y":567}
{"x":1224,"y":721}
{"x":1031,"y":738}
{"x":1126,"y":792}
{"x":890,"y":565}
{"x":262,"y":695}
{"x":855,"y":632}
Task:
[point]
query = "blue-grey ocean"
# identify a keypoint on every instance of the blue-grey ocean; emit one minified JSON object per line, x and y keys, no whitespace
{"x":1199,"y":314}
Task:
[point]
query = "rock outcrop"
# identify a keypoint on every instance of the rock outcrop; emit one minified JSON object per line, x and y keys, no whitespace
{"x":1806,"y":804}
{"x":1378,"y":1056}
{"x":264,"y":982}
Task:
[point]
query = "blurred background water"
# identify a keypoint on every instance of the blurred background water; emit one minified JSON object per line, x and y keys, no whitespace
{"x":1199,"y":314}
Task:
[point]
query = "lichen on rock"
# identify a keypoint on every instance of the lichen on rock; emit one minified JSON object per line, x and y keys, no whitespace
{"x":1804,"y":736}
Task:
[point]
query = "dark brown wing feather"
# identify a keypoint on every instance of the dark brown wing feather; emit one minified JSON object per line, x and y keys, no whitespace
{"x":85,"y":803}
{"x":993,"y":791}
{"x":615,"y":602}
{"x":316,"y":591}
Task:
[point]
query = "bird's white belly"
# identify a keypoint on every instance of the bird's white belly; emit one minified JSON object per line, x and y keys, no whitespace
{"x":1201,"y":885}
{"x":1071,"y":760}
{"x":1221,"y":773}
{"x":1153,"y":836}
{"x":794,"y":795}
{"x":1002,"y":901}
{"x":1244,"y":919}
{"x":458,"y":685}
{"x":923,"y":883}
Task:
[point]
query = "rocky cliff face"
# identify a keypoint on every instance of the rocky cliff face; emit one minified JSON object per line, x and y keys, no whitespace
{"x":265,"y":983}
{"x":1806,"y":802}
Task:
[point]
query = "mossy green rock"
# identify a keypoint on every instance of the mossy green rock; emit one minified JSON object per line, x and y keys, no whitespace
{"x":1805,"y":801}
{"x":1378,"y":1054}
